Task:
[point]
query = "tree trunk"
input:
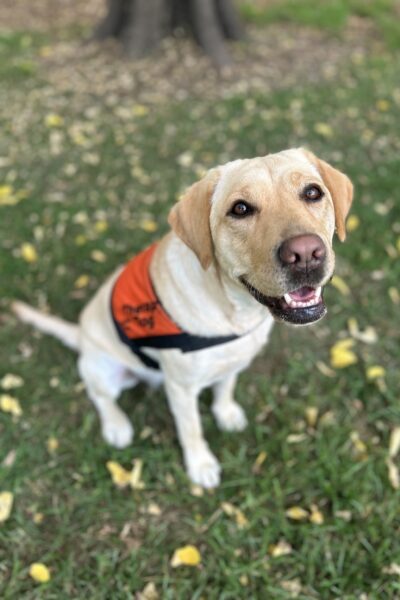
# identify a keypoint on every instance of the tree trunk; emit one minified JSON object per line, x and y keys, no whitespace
{"x":141,"y":24}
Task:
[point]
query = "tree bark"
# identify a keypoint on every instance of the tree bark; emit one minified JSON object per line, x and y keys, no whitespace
{"x":141,"y":24}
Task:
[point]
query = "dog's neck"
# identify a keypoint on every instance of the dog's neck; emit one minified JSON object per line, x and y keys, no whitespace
{"x":204,"y":302}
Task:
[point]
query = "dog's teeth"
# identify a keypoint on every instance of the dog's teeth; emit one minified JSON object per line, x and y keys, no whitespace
{"x":288,"y":299}
{"x":298,"y":304}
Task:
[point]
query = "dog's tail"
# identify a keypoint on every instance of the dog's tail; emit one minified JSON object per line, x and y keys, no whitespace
{"x":67,"y":332}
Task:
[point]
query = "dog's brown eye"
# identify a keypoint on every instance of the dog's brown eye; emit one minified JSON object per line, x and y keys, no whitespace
{"x":241,"y":209}
{"x":312,"y":193}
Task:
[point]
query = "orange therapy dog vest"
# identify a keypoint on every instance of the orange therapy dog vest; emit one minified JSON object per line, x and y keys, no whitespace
{"x":140,"y":319}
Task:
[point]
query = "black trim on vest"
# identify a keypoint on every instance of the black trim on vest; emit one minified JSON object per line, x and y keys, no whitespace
{"x":131,"y":342}
{"x":183,"y":341}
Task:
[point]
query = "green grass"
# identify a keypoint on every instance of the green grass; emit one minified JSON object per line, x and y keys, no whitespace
{"x":331,"y":15}
{"x":139,"y":175}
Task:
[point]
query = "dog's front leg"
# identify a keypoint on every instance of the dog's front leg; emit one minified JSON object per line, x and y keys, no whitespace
{"x":201,"y":465}
{"x":229,"y":415}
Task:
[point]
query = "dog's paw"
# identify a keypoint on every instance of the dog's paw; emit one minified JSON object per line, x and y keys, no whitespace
{"x":231,"y":418}
{"x":117,"y":430}
{"x":203,"y":468}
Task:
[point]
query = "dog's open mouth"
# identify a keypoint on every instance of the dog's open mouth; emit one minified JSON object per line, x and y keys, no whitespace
{"x":300,"y":307}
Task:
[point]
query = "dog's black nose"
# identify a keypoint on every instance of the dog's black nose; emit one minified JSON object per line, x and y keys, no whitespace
{"x":302,"y":252}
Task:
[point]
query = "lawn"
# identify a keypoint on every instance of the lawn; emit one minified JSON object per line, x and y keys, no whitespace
{"x":85,"y":182}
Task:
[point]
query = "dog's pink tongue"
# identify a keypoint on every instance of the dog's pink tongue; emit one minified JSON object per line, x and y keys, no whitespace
{"x":303,"y":294}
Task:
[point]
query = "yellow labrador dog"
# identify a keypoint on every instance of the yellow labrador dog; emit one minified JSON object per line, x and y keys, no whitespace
{"x":250,"y":242}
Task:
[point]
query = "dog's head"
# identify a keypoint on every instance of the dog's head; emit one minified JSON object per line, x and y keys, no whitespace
{"x":268,"y":223}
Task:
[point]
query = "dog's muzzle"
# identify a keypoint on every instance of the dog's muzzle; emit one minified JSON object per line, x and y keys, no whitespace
{"x":301,"y":306}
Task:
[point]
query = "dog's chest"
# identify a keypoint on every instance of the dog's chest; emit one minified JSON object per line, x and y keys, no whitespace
{"x":206,"y":367}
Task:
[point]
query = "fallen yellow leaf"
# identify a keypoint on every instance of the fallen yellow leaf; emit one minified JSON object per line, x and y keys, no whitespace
{"x":6,"y":503}
{"x":282,"y":548}
{"x":359,"y":447}
{"x":392,"y":569}
{"x":296,"y":513}
{"x":139,"y":110}
{"x":98,"y":256}
{"x":293,"y":587}
{"x":81,"y":282}
{"x":7,"y":196}
{"x":186,"y":556}
{"x":149,"y":592}
{"x":148,"y":225}
{"x":153,"y":509}
{"x":394,"y":295}
{"x":324,"y":369}
{"x":28,"y":252}
{"x":197,"y":490}
{"x":324,"y":129}
{"x":120,"y":476}
{"x":80,"y":240}
{"x":352,"y":223}
{"x":52,"y":444}
{"x":261,"y":458}
{"x":39,"y":573}
{"x":394,"y":442}
{"x":311,"y":415}
{"x":340,"y":285}
{"x":38,"y":518}
{"x":375,"y":372}
{"x":53,"y":120}
{"x":341,"y":355}
{"x":382,"y":105}
{"x":232,"y":511}
{"x":368,"y":336}
{"x":101,"y":226}
{"x":316,"y":515}
{"x":393,"y":474}
{"x":10,"y":381}
{"x":135,"y":479}
{"x":11,"y":405}
{"x":45,"y":51}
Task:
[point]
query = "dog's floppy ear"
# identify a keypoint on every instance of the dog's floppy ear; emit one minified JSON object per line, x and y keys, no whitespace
{"x":190,"y":217}
{"x":341,"y":190}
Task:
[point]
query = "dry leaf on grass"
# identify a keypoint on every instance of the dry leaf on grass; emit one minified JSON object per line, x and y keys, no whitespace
{"x":394,"y":442}
{"x":39,"y":573}
{"x":392,"y":569}
{"x":261,"y":458}
{"x":375,"y":372}
{"x":282,"y":548}
{"x":311,"y":415}
{"x":368,"y":336}
{"x":123,"y":478}
{"x":28,"y":252}
{"x":353,"y":223}
{"x":11,"y":405}
{"x":81,"y":282}
{"x":316,"y":516}
{"x":340,"y":285}
{"x":52,"y":444}
{"x":296,"y":513}
{"x":341,"y":354}
{"x":393,"y":474}
{"x":6,"y":504}
{"x":149,"y":592}
{"x":186,"y":556}
{"x":232,"y":511}
{"x":11,"y":381}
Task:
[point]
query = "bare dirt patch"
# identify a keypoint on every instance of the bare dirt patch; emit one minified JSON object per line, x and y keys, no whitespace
{"x":275,"y":57}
